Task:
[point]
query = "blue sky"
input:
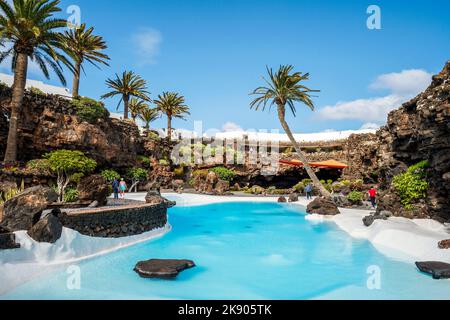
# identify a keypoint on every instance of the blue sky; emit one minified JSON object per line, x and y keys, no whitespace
{"x":215,"y":52}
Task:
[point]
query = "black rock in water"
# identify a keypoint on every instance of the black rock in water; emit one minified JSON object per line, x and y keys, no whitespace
{"x":162,"y":269}
{"x":47,"y":230}
{"x":8,"y":241}
{"x":439,"y":270}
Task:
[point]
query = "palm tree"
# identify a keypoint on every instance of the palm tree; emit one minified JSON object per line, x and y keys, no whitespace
{"x":29,"y":27}
{"x":81,"y":45}
{"x":173,"y":106}
{"x":285,"y":88}
{"x":136,"y":106}
{"x":149,"y":115}
{"x":129,"y":85}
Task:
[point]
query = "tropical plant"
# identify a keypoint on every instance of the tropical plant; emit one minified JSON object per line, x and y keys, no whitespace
{"x":11,"y":193}
{"x":136,"y":106}
{"x":127,"y":86}
{"x":110,"y":175}
{"x":31,"y":29}
{"x":144,"y":161}
{"x":285,"y":88}
{"x":149,"y":115}
{"x":81,"y":45}
{"x":71,"y":195}
{"x":137,"y":175}
{"x":224,"y":173}
{"x":412,"y":185}
{"x":355,"y":197}
{"x":90,"y":110}
{"x":173,"y":106}
{"x":65,"y":163}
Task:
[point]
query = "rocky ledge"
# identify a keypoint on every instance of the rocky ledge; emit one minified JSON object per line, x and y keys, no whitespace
{"x":323,"y":207}
{"x":162,"y":269}
{"x":439,"y":270}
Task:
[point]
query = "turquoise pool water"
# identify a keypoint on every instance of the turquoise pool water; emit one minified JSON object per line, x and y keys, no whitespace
{"x":245,"y":251}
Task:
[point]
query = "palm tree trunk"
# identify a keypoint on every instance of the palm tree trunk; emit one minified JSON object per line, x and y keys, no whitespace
{"x":281,"y":115}
{"x":76,"y":81}
{"x":18,"y":91}
{"x":169,"y":128}
{"x":126,"y":101}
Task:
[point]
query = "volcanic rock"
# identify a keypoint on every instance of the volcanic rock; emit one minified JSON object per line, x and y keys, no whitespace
{"x":94,"y":188}
{"x":322,"y":206}
{"x":439,"y":270}
{"x":48,"y":230}
{"x":163,"y":269}
{"x":25,"y":209}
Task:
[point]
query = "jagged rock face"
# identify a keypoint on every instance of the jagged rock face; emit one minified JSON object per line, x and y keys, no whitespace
{"x":49,"y":123}
{"x":420,"y":130}
{"x":361,"y":155}
{"x":47,"y":230}
{"x":94,"y":188}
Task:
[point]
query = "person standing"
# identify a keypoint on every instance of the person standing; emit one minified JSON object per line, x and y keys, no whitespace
{"x":373,"y":196}
{"x":115,"y":186}
{"x":309,"y":190}
{"x":122,"y":188}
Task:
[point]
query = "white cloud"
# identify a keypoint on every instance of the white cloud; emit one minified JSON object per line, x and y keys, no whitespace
{"x":407,"y":82}
{"x":370,"y":126}
{"x":147,"y":42}
{"x":231,"y":127}
{"x":403,"y":86}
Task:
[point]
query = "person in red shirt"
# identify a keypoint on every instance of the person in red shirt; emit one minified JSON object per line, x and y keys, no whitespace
{"x":373,"y":196}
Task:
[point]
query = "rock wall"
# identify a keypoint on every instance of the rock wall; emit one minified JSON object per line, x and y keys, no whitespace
{"x":117,"y":222}
{"x":420,"y":130}
{"x":49,"y":122}
{"x":361,"y":156}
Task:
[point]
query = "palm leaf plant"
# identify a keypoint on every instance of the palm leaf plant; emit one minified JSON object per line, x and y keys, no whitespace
{"x":148,"y":115}
{"x":29,"y":31}
{"x":82,"y":45}
{"x":136,"y":106}
{"x":173,"y":106}
{"x":285,"y":88}
{"x":127,"y":86}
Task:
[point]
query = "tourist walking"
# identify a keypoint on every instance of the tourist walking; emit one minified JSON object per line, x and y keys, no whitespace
{"x":373,"y":196}
{"x":309,"y":190}
{"x":115,"y":186}
{"x":122,"y":188}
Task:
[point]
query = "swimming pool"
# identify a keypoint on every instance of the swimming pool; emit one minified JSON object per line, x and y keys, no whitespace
{"x":245,"y":251}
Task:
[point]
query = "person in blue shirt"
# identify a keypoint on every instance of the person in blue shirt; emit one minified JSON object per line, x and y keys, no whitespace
{"x":115,"y":186}
{"x":309,"y":190}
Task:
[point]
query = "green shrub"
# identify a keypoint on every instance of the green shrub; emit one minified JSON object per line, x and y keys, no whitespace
{"x":38,"y":91}
{"x":153,"y":136}
{"x":110,"y":175}
{"x":164,"y":162}
{"x":200,"y":173}
{"x":144,"y":161}
{"x":412,"y":185}
{"x":76,"y":177}
{"x":39,"y":166}
{"x":224,"y":173}
{"x":355,"y":197}
{"x":70,"y":195}
{"x":179,"y":172}
{"x":299,"y":187}
{"x":137,"y":174}
{"x":90,"y":110}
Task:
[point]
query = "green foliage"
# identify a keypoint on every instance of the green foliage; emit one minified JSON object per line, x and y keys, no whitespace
{"x":224,"y":173}
{"x":11,"y":193}
{"x":37,"y":91}
{"x":110,"y":175}
{"x":355,"y":197}
{"x":137,"y":174}
{"x":179,"y":172}
{"x":153,"y":136}
{"x":69,"y":162}
{"x":71,"y":195}
{"x":412,"y":185}
{"x":299,"y":187}
{"x":144,"y":161}
{"x":39,"y":167}
{"x":76,"y":177}
{"x":164,"y":162}
{"x":200,"y":173}
{"x":90,"y":110}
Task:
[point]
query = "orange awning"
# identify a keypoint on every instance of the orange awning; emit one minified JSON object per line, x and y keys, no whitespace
{"x":330,"y":164}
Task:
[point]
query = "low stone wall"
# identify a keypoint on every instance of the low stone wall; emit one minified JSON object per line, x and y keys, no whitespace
{"x":117,"y":222}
